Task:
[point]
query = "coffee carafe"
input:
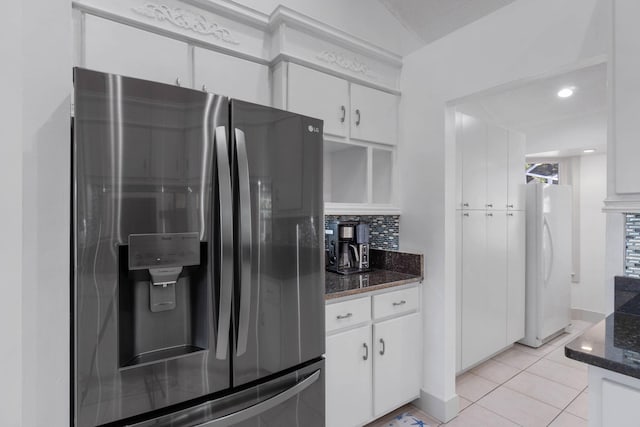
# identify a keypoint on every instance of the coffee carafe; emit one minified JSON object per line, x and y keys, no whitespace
{"x":348,"y":247}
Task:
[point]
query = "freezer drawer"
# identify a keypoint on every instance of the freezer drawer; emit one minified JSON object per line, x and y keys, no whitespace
{"x":293,"y":399}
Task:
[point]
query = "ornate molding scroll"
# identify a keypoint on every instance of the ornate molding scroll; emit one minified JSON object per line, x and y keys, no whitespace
{"x":185,"y":19}
{"x":341,"y":61}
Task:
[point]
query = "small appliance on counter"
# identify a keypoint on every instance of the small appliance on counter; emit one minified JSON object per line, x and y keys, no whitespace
{"x":348,"y":247}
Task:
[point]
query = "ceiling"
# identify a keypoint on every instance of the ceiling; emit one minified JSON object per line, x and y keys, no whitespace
{"x":535,"y":109}
{"x":430,"y":20}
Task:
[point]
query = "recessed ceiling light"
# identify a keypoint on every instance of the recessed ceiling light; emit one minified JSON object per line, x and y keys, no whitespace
{"x":565,"y":92}
{"x":590,"y":150}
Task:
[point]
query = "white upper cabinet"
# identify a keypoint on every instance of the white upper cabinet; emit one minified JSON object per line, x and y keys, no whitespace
{"x":516,"y":174}
{"x":374,"y":115}
{"x":230,"y":76}
{"x":321,"y":96}
{"x":472,"y":142}
{"x":497,"y":165}
{"x":626,"y":98}
{"x":491,"y":164}
{"x":116,"y":48}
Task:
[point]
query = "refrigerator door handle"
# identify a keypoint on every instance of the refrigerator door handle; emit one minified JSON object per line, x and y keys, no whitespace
{"x":245,"y":240}
{"x":547,"y":229}
{"x":263,"y":406}
{"x":226,"y":240}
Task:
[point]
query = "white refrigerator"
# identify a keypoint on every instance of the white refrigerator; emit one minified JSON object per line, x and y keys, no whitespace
{"x":548,"y":265}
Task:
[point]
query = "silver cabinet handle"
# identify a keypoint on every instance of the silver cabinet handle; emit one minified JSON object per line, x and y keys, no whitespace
{"x":383,"y":347}
{"x":178,"y":81}
{"x":344,"y":316}
{"x":358,"y":117}
{"x":489,"y":205}
{"x":489,"y":214}
{"x":466,"y":205}
{"x":395,"y":304}
{"x":204,"y":88}
{"x":465,"y":214}
{"x":510,"y":206}
{"x":509,"y":214}
{"x":242,"y":165}
{"x":226,"y":239}
{"x":366,"y":351}
{"x":263,"y":406}
{"x":344,"y":114}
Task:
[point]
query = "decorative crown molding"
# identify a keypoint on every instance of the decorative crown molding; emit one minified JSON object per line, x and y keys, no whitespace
{"x":185,"y":19}
{"x":354,"y":65}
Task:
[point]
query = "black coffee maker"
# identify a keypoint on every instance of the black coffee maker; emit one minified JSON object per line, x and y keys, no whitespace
{"x":348,"y":247}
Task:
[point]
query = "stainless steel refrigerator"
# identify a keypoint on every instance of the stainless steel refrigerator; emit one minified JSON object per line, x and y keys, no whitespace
{"x":198,"y":273}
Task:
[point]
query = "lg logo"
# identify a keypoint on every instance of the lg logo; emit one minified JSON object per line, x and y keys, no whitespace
{"x":313,"y":129}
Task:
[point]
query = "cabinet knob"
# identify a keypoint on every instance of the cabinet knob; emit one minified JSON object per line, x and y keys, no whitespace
{"x":509,"y":214}
{"x":489,"y":214}
{"x":366,"y":351}
{"x":178,"y":81}
{"x":465,"y":214}
{"x":204,"y":88}
{"x":489,"y":205}
{"x":383,"y":347}
{"x":466,"y":205}
{"x":510,"y":206}
{"x":357,"y":117}
{"x":344,"y":113}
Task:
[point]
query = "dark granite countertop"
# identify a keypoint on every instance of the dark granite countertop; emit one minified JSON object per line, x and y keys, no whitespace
{"x":337,"y":285}
{"x":614,"y":343}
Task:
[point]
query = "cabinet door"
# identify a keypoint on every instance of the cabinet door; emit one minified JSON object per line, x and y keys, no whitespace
{"x":626,"y":102}
{"x":497,"y":165}
{"x":619,"y":405}
{"x":374,"y":115}
{"x":484,"y":293}
{"x":120,"y":49}
{"x":319,"y":95}
{"x":516,"y":172}
{"x":396,"y":367}
{"x":230,"y":76}
{"x":473,"y":157}
{"x":515,"y":275}
{"x":348,"y":382}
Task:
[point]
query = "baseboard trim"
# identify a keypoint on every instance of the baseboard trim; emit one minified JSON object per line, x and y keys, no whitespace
{"x":586,"y":315}
{"x":443,"y":411}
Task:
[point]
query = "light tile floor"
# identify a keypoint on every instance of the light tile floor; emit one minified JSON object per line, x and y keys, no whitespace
{"x":521,"y":386}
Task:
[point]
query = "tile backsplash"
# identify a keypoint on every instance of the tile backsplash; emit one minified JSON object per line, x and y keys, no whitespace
{"x":632,"y":245}
{"x":384,"y":230}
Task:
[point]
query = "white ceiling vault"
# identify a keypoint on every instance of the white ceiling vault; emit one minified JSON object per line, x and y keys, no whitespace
{"x":430,"y":20}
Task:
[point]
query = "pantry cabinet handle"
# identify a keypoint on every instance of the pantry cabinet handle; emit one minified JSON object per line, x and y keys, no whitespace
{"x":358,"y":119}
{"x":399,"y":303}
{"x":344,"y":114}
{"x":465,"y":214}
{"x":490,"y":205}
{"x":366,"y":351}
{"x":466,"y":205}
{"x":344,"y":316}
{"x":509,"y":214}
{"x":489,"y":214}
{"x":510,"y":206}
{"x":383,"y":347}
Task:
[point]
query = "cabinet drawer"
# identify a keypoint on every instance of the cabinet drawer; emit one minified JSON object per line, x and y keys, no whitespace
{"x":347,"y":313}
{"x":395,"y":302}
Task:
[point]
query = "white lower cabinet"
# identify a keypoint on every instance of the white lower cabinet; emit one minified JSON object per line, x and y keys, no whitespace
{"x":374,"y":359}
{"x":396,"y":365}
{"x":348,"y":380}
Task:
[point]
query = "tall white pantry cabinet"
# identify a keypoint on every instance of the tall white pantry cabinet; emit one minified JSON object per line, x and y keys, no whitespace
{"x":491,"y":239}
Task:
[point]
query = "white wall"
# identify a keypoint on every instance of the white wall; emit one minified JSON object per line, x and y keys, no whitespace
{"x":11,"y":216}
{"x":521,"y":41}
{"x":587,"y":131}
{"x":366,"y":19}
{"x":589,"y":293}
